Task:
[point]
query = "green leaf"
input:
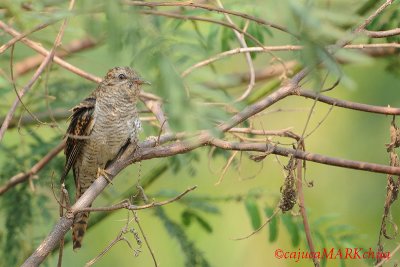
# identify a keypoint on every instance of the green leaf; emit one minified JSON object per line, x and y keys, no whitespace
{"x":321,"y":239}
{"x":253,"y":212}
{"x":272,"y":225}
{"x":226,"y":37}
{"x":338,"y":229}
{"x":321,"y":221}
{"x":186,"y":217}
{"x":212,"y":35}
{"x":255,"y":31}
{"x":193,"y":256}
{"x":203,"y":223}
{"x":292,"y":228}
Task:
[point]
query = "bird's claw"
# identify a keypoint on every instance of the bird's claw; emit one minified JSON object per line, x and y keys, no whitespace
{"x":105,"y":174}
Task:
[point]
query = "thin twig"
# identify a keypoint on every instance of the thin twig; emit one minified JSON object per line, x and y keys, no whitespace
{"x":120,"y":237}
{"x":394,"y":251}
{"x":259,"y":228}
{"x":303,"y":211}
{"x":382,"y":34}
{"x":210,"y":8}
{"x":196,"y":18}
{"x":39,"y":48}
{"x":228,"y":163}
{"x":128,"y":206}
{"x":249,"y":61}
{"x":23,"y":176}
{"x":348,"y":104}
{"x":48,"y":59}
{"x":74,"y":46}
{"x":266,"y":49}
{"x":373,"y":15}
{"x":14,"y":40}
{"x":145,"y":239}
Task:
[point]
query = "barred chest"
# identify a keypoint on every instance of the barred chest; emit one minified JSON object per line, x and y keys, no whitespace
{"x":114,"y":125}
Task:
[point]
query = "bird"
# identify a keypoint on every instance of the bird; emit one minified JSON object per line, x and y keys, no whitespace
{"x":101,"y":127}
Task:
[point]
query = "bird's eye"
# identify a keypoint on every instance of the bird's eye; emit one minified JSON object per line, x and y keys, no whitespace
{"x":122,"y":76}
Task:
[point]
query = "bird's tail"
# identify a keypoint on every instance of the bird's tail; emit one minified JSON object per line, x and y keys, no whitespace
{"x":79,"y":229}
{"x":80,"y":220}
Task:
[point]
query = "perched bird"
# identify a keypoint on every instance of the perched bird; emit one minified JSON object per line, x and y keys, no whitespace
{"x":100,"y":128}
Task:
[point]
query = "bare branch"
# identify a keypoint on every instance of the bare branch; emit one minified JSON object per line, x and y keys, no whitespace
{"x":196,"y":18}
{"x":382,"y":34}
{"x":249,"y":61}
{"x":39,"y":48}
{"x":303,"y":211}
{"x":266,"y":49}
{"x":348,"y":104}
{"x":14,"y":40}
{"x":259,"y":106}
{"x":48,"y":59}
{"x":147,"y":151}
{"x":78,"y":45}
{"x":127,"y":205}
{"x":259,"y":228}
{"x":373,"y":15}
{"x":210,"y":8}
{"x":23,"y":176}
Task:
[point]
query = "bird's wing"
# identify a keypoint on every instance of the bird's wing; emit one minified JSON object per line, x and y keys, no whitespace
{"x":81,"y":124}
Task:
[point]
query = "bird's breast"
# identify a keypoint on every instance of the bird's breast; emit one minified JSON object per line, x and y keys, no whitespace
{"x":112,"y":128}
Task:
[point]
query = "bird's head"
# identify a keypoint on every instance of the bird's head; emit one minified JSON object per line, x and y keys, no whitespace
{"x":124,"y":77}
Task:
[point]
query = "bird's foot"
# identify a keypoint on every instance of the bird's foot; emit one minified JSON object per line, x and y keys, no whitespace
{"x":105,"y":174}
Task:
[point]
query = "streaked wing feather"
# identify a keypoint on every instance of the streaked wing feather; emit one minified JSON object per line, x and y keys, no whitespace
{"x":81,"y":124}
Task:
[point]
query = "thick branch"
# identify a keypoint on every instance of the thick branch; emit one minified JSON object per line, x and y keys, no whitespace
{"x":147,"y":152}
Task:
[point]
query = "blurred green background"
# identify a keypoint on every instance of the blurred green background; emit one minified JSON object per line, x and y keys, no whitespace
{"x":345,"y":207}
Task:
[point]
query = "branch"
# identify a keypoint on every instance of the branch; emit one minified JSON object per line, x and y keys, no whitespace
{"x":39,"y":48}
{"x":382,"y":34}
{"x":210,"y":8}
{"x":78,"y":45}
{"x":148,"y":151}
{"x":266,"y":49}
{"x":303,"y":211}
{"x":276,"y":70}
{"x":249,"y":60}
{"x":14,"y":40}
{"x":362,"y":26}
{"x":348,"y":104}
{"x":259,"y":106}
{"x":23,"y":176}
{"x":127,"y":205}
{"x":187,"y":17}
{"x":48,"y":59}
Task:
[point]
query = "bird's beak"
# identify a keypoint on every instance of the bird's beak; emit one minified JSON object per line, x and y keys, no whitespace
{"x":141,"y":81}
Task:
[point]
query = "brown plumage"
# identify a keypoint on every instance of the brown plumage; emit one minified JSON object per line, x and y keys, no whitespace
{"x":101,"y":126}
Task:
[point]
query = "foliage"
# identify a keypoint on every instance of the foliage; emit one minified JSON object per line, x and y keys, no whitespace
{"x":162,"y":48}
